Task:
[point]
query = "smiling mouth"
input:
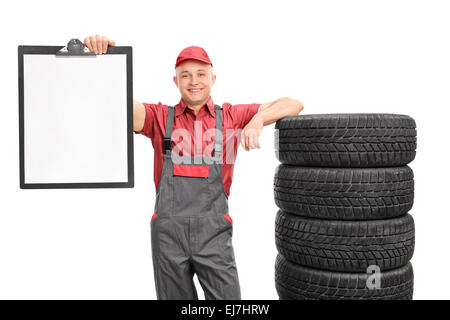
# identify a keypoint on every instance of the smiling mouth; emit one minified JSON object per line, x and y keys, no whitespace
{"x":194,"y":91}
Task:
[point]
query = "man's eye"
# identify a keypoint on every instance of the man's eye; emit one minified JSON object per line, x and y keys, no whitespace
{"x":202,"y":74}
{"x":184,"y":76}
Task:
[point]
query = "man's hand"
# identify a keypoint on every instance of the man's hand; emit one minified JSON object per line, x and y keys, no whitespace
{"x":268,"y":113}
{"x":250,"y":133}
{"x":98,"y":44}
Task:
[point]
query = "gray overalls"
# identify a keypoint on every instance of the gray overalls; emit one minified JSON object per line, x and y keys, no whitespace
{"x":191,"y":230}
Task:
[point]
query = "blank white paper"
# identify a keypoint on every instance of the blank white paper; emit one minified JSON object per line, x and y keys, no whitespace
{"x":75,"y":119}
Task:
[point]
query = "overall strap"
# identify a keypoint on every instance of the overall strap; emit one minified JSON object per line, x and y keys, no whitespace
{"x":167,"y":143}
{"x":218,"y":145}
{"x":219,"y":134}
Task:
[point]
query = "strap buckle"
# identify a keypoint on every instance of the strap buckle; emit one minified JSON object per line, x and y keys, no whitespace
{"x":167,"y":144}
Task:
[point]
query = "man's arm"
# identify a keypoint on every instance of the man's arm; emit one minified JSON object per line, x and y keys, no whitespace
{"x":138,"y":116}
{"x":268,"y":113}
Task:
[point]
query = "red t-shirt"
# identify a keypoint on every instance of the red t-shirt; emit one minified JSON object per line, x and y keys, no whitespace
{"x":233,"y":118}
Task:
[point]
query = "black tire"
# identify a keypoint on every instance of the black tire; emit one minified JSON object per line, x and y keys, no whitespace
{"x":294,"y":282}
{"x":346,"y":140}
{"x":344,"y":193}
{"x":345,"y":246}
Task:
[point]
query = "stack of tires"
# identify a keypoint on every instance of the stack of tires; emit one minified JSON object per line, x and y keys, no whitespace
{"x":344,"y":191}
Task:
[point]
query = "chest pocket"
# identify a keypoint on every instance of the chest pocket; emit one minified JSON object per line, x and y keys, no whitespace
{"x":192,"y":194}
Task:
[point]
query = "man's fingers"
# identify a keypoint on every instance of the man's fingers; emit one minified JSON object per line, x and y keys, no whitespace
{"x":99,"y":44}
{"x":93,"y":44}
{"x":244,"y":139}
{"x":255,"y":141}
{"x":105,"y":44}
{"x":251,"y":141}
{"x":87,"y":43}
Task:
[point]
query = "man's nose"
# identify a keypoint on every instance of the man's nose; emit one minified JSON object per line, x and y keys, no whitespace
{"x":194,"y":79}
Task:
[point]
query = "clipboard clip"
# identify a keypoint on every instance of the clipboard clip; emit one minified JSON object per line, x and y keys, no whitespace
{"x":75,"y":48}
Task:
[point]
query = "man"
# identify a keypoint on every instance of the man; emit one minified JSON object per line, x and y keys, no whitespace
{"x":191,"y":229}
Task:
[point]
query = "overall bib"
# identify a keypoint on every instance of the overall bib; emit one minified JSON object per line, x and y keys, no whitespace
{"x":191,"y":230}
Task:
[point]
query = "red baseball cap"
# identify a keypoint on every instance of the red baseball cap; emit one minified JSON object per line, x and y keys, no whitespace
{"x":195,"y":53}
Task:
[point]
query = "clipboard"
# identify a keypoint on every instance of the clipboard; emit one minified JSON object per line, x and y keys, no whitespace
{"x":75,"y":117}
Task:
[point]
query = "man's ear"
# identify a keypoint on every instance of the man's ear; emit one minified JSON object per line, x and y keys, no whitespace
{"x":213,"y":79}
{"x":175,"y":80}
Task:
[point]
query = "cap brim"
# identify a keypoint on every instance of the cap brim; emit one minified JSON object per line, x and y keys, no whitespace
{"x":201,"y":60}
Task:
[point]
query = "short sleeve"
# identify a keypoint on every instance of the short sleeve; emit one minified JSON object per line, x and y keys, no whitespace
{"x":243,"y":113}
{"x":149,"y":122}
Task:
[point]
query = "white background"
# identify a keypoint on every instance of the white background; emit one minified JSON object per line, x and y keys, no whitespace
{"x":334,"y":56}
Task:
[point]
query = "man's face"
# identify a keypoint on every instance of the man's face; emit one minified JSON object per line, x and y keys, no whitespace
{"x":194,"y":81}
